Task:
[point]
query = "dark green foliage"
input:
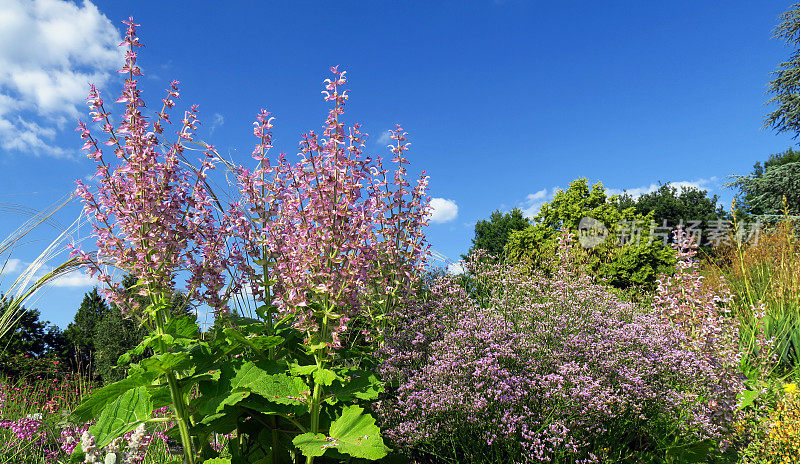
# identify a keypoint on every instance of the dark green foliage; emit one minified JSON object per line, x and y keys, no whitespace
{"x":113,"y":336}
{"x":638,"y":266}
{"x":80,"y":333}
{"x":775,"y":160}
{"x":785,"y":85}
{"x":101,"y":333}
{"x":676,"y":206}
{"x":492,"y":235}
{"x":30,"y":339}
{"x":761,"y":193}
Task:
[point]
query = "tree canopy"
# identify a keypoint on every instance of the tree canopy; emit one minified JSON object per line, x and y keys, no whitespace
{"x":761,"y":193}
{"x":676,"y":205}
{"x":30,"y":338}
{"x":621,"y":252}
{"x":785,"y":85}
{"x":492,"y":234}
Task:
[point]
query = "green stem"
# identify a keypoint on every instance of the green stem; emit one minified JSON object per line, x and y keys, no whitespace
{"x":178,"y":402}
{"x":274,"y":424}
{"x":316,"y":399}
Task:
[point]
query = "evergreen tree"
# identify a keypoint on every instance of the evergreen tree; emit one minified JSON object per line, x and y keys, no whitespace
{"x":785,"y":87}
{"x":676,"y":205}
{"x":113,"y":336}
{"x":101,"y":333}
{"x":761,"y":193}
{"x":80,"y":333}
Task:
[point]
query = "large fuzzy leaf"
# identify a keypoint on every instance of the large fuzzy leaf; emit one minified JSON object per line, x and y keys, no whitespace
{"x":353,"y":433}
{"x":237,"y":383}
{"x":122,"y":415}
{"x":100,"y":398}
{"x":281,"y":389}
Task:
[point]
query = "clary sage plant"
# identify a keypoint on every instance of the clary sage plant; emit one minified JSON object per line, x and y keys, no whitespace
{"x":324,"y":248}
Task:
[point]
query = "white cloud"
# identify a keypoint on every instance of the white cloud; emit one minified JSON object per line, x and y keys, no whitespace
{"x":443,"y":210}
{"x":76,"y":279}
{"x":217,"y":121}
{"x":455,"y":268}
{"x":385,"y":138}
{"x":636,"y":192}
{"x":12,"y":265}
{"x":50,"y":50}
{"x":534,"y":201}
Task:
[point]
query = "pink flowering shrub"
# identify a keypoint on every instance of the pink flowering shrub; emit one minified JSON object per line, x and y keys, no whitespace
{"x":321,"y":248}
{"x":335,"y":231}
{"x":549,"y":368}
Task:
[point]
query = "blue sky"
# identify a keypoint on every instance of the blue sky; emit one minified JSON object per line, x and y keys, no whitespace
{"x":504,"y":101}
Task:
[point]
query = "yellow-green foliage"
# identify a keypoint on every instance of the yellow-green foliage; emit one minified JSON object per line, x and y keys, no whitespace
{"x":636,"y":264}
{"x":777,"y":437}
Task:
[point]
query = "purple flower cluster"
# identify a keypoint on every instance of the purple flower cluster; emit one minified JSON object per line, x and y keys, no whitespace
{"x":152,"y":217}
{"x":552,"y":367}
{"x":336,"y":225}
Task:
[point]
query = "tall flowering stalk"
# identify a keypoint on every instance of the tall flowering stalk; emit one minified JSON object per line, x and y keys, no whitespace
{"x":152,"y":217}
{"x":699,"y":308}
{"x":333,"y":226}
{"x":337,"y":236}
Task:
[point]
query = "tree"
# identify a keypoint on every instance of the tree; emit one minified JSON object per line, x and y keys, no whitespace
{"x":761,"y":193}
{"x":676,"y":206}
{"x":582,"y":210}
{"x":785,"y":87}
{"x":113,"y":336}
{"x":492,"y":235}
{"x":101,"y":333}
{"x":29,"y":338}
{"x":80,"y":333}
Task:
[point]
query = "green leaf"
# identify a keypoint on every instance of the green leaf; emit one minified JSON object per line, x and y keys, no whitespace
{"x":281,"y":389}
{"x":167,"y":362}
{"x":311,"y":444}
{"x":183,"y":326}
{"x":217,"y":461}
{"x":237,"y":383}
{"x":353,"y":433}
{"x":256,"y":342}
{"x":259,"y":404}
{"x":747,"y":398}
{"x":297,"y":369}
{"x":91,"y":408}
{"x":317,"y":347}
{"x":77,"y":456}
{"x":325,"y":376}
{"x":160,"y":395}
{"x":126,"y":357}
{"x":122,"y":415}
{"x":358,"y":384}
{"x":214,"y":397}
